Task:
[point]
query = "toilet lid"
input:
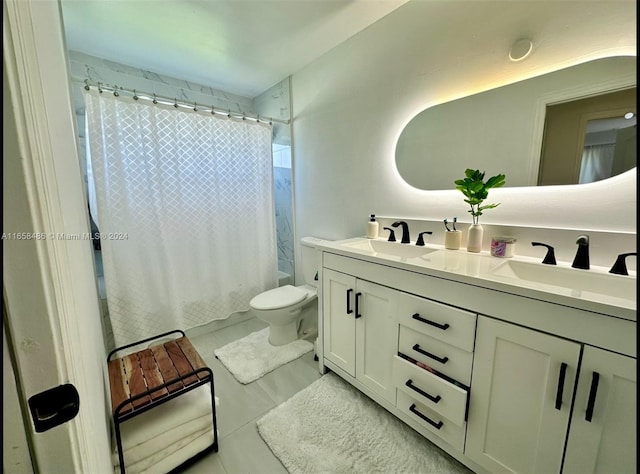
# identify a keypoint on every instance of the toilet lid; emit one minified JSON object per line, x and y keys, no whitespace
{"x":280,"y":297}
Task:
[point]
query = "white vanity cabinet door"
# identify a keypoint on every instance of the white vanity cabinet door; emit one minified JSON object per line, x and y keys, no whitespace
{"x":376,"y":337}
{"x":339,"y":320}
{"x":360,"y":330}
{"x":515,"y":423}
{"x":602,"y":438}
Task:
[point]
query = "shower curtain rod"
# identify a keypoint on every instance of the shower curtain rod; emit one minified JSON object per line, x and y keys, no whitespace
{"x":157,"y":99}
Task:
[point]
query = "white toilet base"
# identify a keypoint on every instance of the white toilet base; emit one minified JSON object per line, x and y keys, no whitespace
{"x":282,"y":334}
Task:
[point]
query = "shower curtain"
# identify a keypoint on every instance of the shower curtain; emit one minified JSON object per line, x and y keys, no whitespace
{"x":184,"y":204}
{"x":597,"y":161}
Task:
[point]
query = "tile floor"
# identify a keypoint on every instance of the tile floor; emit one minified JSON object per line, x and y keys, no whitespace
{"x":241,"y":449}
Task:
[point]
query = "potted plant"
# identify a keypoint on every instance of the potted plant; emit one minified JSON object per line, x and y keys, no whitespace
{"x":476,"y":190}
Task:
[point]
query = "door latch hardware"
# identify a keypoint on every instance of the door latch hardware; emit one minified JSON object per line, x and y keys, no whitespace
{"x":54,"y":407}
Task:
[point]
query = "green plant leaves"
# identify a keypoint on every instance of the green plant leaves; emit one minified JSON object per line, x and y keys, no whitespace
{"x":476,"y":190}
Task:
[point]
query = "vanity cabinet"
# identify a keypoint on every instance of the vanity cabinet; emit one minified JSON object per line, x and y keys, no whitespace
{"x":413,"y":352}
{"x":602,"y":438}
{"x":503,"y":382}
{"x":521,"y":393}
{"x":360,"y":330}
{"x":432,"y":370}
{"x":521,"y":404}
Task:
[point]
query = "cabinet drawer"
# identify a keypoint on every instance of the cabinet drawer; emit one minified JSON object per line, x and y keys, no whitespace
{"x":433,"y":392}
{"x":445,"y":358}
{"x":417,"y":411}
{"x":446,"y":323}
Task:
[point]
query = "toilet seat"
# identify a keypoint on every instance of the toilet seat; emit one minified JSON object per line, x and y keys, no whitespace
{"x":277,"y":298}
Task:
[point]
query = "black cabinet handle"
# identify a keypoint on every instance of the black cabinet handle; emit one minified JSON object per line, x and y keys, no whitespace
{"x":592,"y":396}
{"x":563,"y":372}
{"x":349,"y":309}
{"x":425,"y":418}
{"x":436,"y":399}
{"x":442,"y":360}
{"x":358,"y":315}
{"x":444,"y":327}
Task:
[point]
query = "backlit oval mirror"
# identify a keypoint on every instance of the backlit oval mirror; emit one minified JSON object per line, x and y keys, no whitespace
{"x":501,"y":130}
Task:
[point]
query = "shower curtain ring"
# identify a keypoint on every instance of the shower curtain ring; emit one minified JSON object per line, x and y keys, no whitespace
{"x":115,"y":91}
{"x":86,"y":85}
{"x":155,"y":101}
{"x":175,"y":102}
{"x":135,"y":96}
{"x":195,"y":106}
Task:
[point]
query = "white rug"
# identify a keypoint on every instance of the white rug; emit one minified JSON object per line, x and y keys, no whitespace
{"x":330,"y":427}
{"x":251,"y":357}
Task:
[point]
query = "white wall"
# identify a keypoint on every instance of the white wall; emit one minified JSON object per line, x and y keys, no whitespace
{"x":350,"y":106}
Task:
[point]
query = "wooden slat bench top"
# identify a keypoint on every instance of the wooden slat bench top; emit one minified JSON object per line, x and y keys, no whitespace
{"x":140,"y":371}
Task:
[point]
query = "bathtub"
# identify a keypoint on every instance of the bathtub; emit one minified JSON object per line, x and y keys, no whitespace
{"x":284,"y":279}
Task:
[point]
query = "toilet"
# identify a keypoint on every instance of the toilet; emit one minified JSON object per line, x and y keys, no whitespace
{"x":281,"y":308}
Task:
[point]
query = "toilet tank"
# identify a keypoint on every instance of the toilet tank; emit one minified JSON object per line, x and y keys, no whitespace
{"x":309,"y":256}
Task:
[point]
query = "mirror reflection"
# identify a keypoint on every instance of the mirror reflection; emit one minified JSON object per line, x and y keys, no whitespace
{"x":501,"y":130}
{"x":609,"y":149}
{"x":589,"y":139}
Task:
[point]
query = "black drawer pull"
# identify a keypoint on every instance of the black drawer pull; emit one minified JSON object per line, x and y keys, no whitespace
{"x":444,"y":327}
{"x":436,"y":399}
{"x":349,"y":308}
{"x":563,"y":372}
{"x":358,"y":315}
{"x":442,"y":360}
{"x":592,"y":396}
{"x":425,"y":418}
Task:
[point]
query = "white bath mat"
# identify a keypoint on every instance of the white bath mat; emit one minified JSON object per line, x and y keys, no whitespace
{"x":251,"y":357}
{"x":330,"y":427}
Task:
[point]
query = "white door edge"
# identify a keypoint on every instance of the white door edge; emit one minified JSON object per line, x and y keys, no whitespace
{"x":48,"y":281}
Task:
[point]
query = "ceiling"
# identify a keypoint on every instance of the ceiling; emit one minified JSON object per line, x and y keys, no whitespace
{"x":242,"y":47}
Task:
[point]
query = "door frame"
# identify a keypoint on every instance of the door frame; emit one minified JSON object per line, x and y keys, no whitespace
{"x":49,"y":286}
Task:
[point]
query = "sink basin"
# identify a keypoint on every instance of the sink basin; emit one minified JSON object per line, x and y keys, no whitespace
{"x":578,"y":281}
{"x":390,"y":249}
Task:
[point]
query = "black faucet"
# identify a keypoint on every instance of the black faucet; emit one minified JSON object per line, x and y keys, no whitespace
{"x":581,"y":259}
{"x":420,"y":241}
{"x":392,"y":235}
{"x":620,"y":267}
{"x":405,"y":231}
{"x":550,"y":257}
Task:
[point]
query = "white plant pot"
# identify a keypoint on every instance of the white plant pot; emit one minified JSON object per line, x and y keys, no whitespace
{"x":474,"y":238}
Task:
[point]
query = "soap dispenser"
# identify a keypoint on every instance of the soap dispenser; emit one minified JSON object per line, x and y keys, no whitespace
{"x":372,"y":227}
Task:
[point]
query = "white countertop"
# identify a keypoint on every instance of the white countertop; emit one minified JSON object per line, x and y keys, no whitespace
{"x":479,"y":269}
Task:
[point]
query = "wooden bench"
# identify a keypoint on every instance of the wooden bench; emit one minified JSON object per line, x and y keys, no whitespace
{"x":144,"y":379}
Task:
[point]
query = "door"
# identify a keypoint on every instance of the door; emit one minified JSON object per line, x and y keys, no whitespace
{"x":339,"y":319}
{"x":376,"y":337}
{"x":564,"y":134}
{"x":49,"y":290}
{"x":520,"y":399}
{"x":602,"y":438}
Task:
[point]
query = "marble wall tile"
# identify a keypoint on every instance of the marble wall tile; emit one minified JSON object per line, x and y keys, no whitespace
{"x":284,"y":219}
{"x":276,"y":102}
{"x":84,"y":66}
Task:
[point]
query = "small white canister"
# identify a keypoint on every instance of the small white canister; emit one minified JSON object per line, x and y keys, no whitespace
{"x":503,"y":246}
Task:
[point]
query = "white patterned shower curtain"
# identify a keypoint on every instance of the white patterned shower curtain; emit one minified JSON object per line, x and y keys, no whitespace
{"x":184,"y":204}
{"x":597,"y":162}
